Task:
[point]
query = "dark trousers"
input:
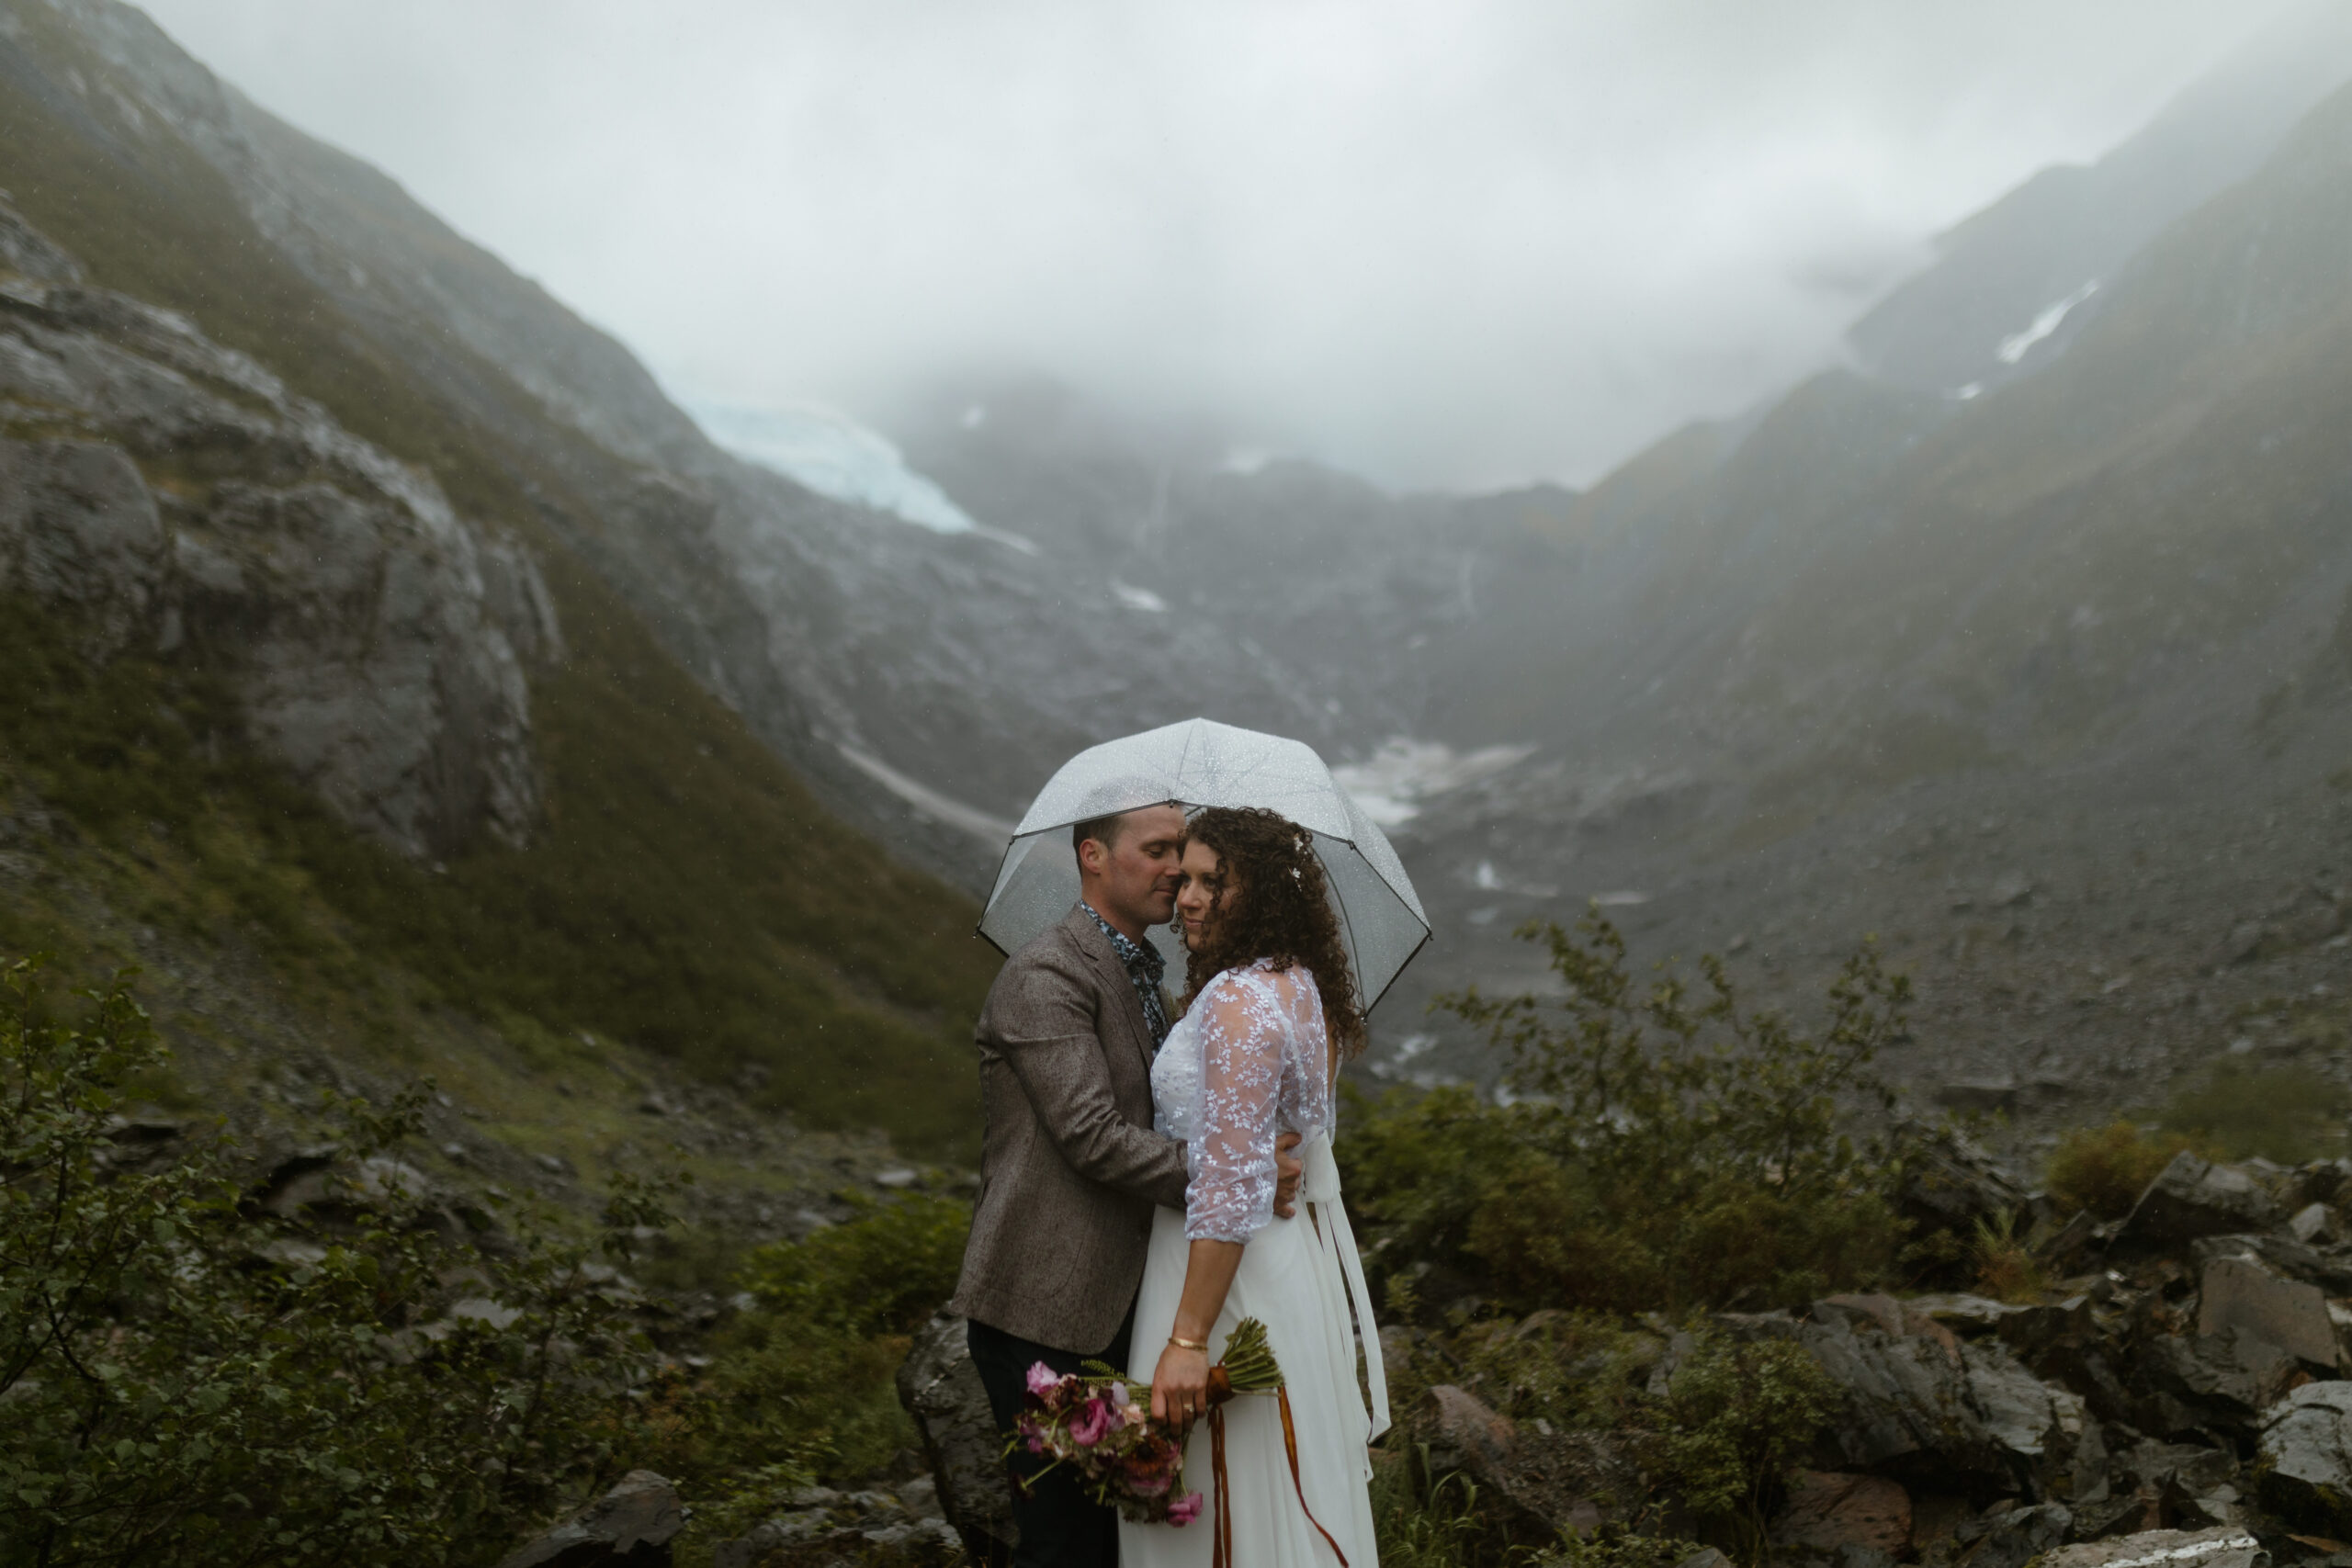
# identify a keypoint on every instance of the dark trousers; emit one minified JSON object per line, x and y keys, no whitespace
{"x":1060,"y":1526}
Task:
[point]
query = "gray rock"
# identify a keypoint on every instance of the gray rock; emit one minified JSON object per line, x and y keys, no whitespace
{"x":2303,"y":1465}
{"x":785,"y":1530}
{"x":376,"y":641}
{"x":629,"y":1527}
{"x":1540,"y":1481}
{"x":2222,"y":1547}
{"x":2240,"y":1294}
{"x":2192,"y":1198}
{"x":2210,"y":1380}
{"x":1969,"y":1407}
{"x":2014,"y":1538}
{"x":2314,"y":1224}
{"x":940,"y":1387}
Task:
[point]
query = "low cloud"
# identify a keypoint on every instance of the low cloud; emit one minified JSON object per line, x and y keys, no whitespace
{"x":1444,"y":243}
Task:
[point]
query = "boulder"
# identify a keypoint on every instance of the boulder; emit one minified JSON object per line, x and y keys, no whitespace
{"x":2314,"y":1224}
{"x":2303,"y":1467}
{"x":2225,"y":1548}
{"x":2241,"y":1293}
{"x":1828,"y":1510}
{"x":1923,"y":1400}
{"x":629,"y":1527}
{"x":2208,"y":1381}
{"x":2192,"y":1198}
{"x":941,"y":1389}
{"x":1542,"y":1483}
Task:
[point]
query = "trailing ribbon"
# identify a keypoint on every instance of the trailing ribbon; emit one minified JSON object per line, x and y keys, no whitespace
{"x":1221,"y":1555}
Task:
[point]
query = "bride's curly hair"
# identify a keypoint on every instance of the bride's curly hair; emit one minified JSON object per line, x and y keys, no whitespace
{"x":1282,"y":912}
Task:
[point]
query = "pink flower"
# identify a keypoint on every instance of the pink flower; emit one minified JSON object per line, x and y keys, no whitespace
{"x":1042,"y":1379}
{"x":1186,"y":1509}
{"x":1094,"y":1421}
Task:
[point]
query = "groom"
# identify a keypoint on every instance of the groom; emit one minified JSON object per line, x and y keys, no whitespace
{"x":1071,"y":1168}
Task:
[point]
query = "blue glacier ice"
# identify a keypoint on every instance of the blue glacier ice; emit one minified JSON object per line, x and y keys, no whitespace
{"x":835,"y":457}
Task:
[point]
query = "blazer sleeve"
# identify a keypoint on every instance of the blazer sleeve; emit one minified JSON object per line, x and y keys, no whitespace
{"x":1048,"y":1030}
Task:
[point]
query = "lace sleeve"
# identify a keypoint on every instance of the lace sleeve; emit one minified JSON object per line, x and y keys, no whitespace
{"x":1231,"y":1153}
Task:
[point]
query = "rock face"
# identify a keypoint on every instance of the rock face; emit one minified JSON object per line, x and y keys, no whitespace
{"x":629,"y":1527}
{"x":177,"y":501}
{"x":941,"y":1389}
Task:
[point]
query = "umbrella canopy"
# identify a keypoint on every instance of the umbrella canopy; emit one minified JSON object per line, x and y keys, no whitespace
{"x":1200,"y":764}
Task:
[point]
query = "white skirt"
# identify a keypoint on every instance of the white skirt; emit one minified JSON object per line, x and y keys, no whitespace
{"x":1295,"y":1280}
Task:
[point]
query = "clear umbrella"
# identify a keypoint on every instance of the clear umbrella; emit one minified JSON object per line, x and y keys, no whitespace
{"x":1200,"y":764}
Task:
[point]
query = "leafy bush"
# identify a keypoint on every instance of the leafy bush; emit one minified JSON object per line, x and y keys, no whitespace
{"x":2105,"y":1169}
{"x":799,"y":1386}
{"x":883,"y":1272}
{"x":186,"y":1382}
{"x":1736,"y":1418}
{"x":1667,"y":1150}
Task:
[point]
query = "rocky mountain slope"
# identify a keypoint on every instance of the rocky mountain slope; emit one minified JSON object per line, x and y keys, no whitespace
{"x":2037,"y":682}
{"x":308,"y":712}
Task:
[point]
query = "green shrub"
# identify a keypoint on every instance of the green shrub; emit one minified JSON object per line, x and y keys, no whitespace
{"x":186,"y":1383}
{"x":883,"y":1272}
{"x":801,"y":1384}
{"x":1664,"y":1150}
{"x":2105,"y":1169}
{"x":1736,"y":1420}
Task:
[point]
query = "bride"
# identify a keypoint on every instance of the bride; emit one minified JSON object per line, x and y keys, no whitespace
{"x":1270,"y":1014}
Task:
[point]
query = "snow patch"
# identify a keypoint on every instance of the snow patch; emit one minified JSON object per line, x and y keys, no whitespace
{"x":1142,"y":599}
{"x":1391,"y":784}
{"x":942,"y":808}
{"x":2014,"y":346}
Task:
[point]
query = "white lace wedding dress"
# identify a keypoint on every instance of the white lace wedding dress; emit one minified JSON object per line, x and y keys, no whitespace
{"x":1247,"y":1062}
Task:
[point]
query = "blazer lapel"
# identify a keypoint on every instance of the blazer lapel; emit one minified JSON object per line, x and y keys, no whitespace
{"x":1127,"y":1007}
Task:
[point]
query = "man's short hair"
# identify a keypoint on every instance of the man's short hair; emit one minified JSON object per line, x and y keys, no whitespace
{"x":1107,"y":830}
{"x":1103,"y":830}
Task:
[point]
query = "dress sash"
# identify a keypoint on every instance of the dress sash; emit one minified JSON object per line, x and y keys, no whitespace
{"x":1319,"y":1184}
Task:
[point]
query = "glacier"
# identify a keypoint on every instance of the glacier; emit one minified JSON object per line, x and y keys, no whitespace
{"x":838,"y":457}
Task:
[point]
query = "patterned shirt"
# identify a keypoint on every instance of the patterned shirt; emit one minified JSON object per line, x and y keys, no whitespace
{"x":1145,"y":969}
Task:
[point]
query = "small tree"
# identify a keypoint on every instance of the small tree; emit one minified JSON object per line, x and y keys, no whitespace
{"x":1667,"y":1148}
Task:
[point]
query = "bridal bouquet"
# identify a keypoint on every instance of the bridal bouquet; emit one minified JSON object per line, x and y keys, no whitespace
{"x":1101,"y":1425}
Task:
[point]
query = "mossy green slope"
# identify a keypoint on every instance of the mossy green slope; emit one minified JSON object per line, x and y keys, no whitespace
{"x":687,"y":892}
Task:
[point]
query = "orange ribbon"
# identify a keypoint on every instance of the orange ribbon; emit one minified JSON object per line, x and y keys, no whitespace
{"x":1222,"y":1553}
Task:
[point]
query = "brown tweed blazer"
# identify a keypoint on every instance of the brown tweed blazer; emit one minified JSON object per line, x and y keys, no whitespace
{"x":1070,"y":1169}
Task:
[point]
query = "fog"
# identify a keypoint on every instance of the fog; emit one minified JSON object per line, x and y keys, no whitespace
{"x":1442,"y":243}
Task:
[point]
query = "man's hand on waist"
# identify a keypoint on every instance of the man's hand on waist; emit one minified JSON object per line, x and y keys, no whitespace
{"x":1286,"y":1174}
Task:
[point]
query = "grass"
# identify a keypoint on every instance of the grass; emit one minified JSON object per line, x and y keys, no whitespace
{"x":705,"y":908}
{"x":688,"y":893}
{"x":2287,"y":1113}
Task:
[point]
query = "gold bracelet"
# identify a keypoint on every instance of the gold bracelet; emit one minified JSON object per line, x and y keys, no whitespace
{"x":1189,"y":1344}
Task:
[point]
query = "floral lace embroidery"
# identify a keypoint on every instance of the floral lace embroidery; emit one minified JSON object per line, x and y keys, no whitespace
{"x":1248,"y":1062}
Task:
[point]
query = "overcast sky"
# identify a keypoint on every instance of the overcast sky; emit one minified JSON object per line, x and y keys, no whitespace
{"x":1442,"y":242}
